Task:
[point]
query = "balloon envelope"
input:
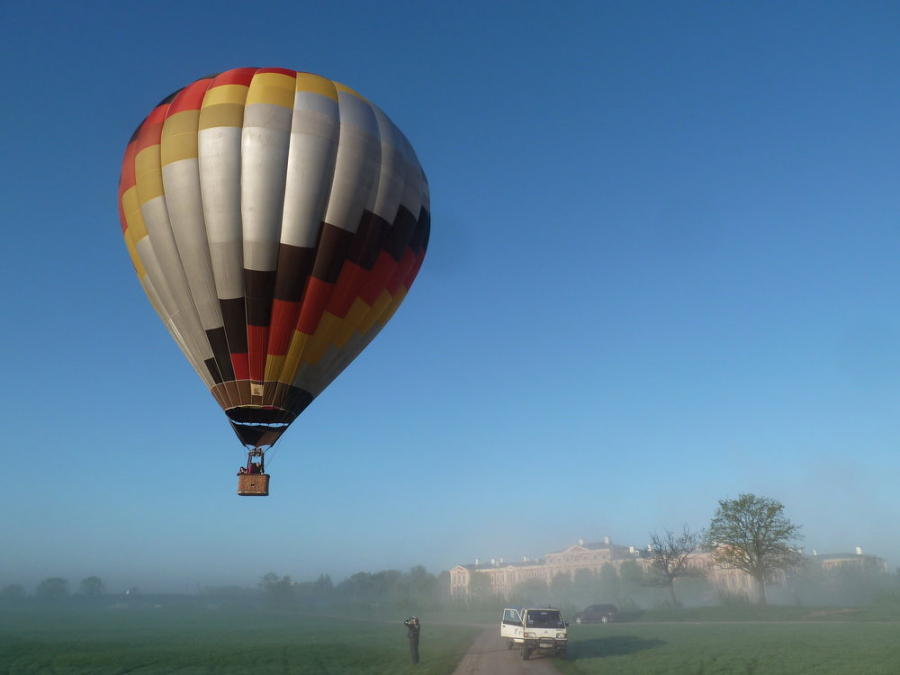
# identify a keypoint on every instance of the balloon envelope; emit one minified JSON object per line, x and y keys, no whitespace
{"x":276,"y":220}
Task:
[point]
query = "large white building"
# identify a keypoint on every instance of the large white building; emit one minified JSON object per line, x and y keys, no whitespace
{"x":504,"y":576}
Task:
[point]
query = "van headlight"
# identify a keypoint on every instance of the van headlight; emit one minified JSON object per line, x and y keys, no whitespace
{"x":560,"y":636}
{"x":530,"y":634}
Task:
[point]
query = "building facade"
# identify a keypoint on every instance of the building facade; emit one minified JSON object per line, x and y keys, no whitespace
{"x":501,"y":578}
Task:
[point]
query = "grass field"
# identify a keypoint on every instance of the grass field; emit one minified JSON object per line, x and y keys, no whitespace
{"x":151,"y":641}
{"x":746,"y":648}
{"x":191,"y":640}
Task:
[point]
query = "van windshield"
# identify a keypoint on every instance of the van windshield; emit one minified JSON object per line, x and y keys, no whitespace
{"x":545,"y":618}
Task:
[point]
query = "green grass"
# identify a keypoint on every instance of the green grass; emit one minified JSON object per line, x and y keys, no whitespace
{"x":743,"y":648}
{"x":198,"y":642}
{"x":190,"y":640}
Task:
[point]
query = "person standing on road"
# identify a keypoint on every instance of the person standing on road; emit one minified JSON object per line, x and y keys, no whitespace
{"x":412,"y":625}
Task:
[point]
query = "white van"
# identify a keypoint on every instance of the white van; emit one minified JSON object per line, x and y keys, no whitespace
{"x":535,"y":629}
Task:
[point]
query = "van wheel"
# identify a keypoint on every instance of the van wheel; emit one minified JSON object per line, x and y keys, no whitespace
{"x":525,"y":653}
{"x":562,"y":653}
{"x":509,"y":644}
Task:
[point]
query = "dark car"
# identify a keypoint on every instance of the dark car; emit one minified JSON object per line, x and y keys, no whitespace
{"x":597,"y":614}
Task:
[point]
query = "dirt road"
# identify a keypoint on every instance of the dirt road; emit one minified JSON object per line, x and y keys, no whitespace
{"x":489,"y":656}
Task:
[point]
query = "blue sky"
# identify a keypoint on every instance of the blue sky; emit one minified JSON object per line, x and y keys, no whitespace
{"x":662,"y":272}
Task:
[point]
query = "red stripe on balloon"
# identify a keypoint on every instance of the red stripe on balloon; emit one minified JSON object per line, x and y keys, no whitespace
{"x":346,"y":290}
{"x":189,"y":98}
{"x":284,"y":318}
{"x":381,"y":273}
{"x":257,"y":340}
{"x":241,"y":366}
{"x":314,"y":303}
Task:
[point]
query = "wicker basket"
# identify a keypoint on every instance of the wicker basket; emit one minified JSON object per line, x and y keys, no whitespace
{"x":253,"y":485}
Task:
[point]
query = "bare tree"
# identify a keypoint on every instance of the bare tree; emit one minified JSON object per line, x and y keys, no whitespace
{"x":669,"y":556}
{"x":752,"y":534}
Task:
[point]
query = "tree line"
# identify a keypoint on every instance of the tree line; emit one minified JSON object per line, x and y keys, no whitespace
{"x":55,"y":588}
{"x":750,"y":534}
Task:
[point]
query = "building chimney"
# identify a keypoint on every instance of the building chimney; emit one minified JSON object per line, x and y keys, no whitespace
{"x":815,"y":552}
{"x":581,"y":542}
{"x":607,"y":541}
{"x":524,"y":558}
{"x":476,"y":562}
{"x":501,"y":561}
{"x":493,"y":562}
{"x":858,"y":550}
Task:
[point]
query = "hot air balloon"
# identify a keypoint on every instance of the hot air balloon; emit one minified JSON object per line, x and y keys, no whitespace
{"x":276,"y":220}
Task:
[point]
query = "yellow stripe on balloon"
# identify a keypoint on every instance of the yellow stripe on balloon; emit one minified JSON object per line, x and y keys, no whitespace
{"x":179,"y":137}
{"x":131,"y":244}
{"x":315,"y":349}
{"x":353,"y":322}
{"x":381,"y":304}
{"x":133,"y":216}
{"x":316,"y":85}
{"x":274,"y":366}
{"x":221,"y":115}
{"x":148,"y":174}
{"x":272,"y":88}
{"x":295,"y":354}
{"x":348,"y":90}
{"x":225,"y":94}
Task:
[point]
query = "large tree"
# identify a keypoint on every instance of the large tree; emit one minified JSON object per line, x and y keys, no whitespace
{"x":277,"y":590}
{"x":752,"y":534}
{"x":92,"y":586}
{"x":669,"y":554}
{"x":54,"y":587}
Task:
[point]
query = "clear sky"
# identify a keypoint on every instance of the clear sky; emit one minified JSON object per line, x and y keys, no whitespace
{"x":662,"y":272}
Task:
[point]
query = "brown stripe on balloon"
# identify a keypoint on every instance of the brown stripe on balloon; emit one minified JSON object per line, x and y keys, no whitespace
{"x":221,"y":395}
{"x":419,"y":240}
{"x":259,"y":287}
{"x":219,"y":344}
{"x":330,"y":252}
{"x":361,"y":258}
{"x":295,"y":264}
{"x":234,"y":316}
{"x":400,"y":234}
{"x":243,"y":392}
{"x":368,"y":241}
{"x":268,"y":398}
{"x":279,"y":393}
{"x":213,"y":370}
{"x":232,"y":391}
{"x":296,"y":400}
